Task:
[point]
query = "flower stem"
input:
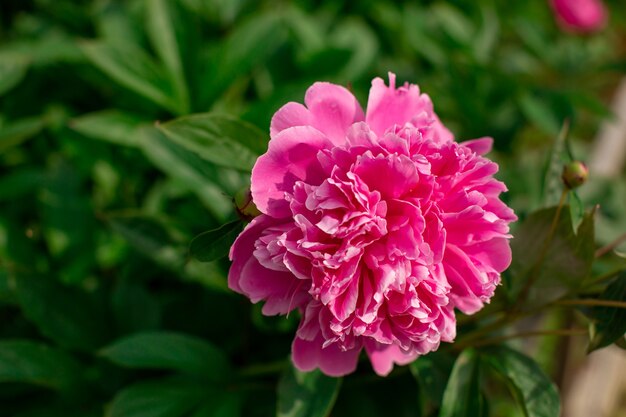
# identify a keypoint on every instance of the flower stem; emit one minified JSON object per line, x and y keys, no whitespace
{"x":592,"y":303}
{"x":558,"y":332}
{"x":608,"y":248}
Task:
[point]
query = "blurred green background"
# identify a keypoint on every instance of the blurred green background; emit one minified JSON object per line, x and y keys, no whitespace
{"x":97,"y":206}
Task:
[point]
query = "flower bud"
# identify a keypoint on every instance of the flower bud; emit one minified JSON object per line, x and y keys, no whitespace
{"x":246,"y":209}
{"x":574,"y":174}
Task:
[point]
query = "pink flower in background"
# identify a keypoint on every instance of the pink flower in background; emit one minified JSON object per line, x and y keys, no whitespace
{"x":580,"y":15}
{"x":375,"y":226}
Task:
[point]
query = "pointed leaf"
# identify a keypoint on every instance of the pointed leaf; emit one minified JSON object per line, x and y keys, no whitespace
{"x":462,"y":396}
{"x":215,"y":244}
{"x":608,"y":324}
{"x":537,"y":395}
{"x":306,"y":394}
{"x":111,"y":126}
{"x":167,"y":350}
{"x":221,"y":140}
{"x":33,"y":363}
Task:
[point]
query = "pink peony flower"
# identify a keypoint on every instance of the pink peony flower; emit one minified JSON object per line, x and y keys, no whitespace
{"x":375,"y":227}
{"x":580,"y":15}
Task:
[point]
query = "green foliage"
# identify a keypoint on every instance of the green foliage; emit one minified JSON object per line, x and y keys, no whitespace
{"x":126,"y":127}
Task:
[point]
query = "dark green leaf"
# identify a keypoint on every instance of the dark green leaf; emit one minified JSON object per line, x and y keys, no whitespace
{"x":19,"y":183}
{"x":163,"y":36}
{"x":215,"y":244}
{"x":37,"y":364}
{"x":537,"y":395}
{"x":608,"y":324}
{"x":109,"y":125}
{"x":552,"y":185}
{"x":567,"y":261}
{"x":133,"y":68}
{"x":221,"y":140}
{"x":69,"y":316}
{"x":306,"y":394}
{"x":357,"y":36}
{"x":432,"y":372}
{"x":225,"y":404}
{"x":19,"y":131}
{"x":539,"y":113}
{"x":12,"y":70}
{"x":173,"y":351}
{"x":167,"y":398}
{"x":135,"y":309}
{"x":462,"y":396}
{"x":250,"y":44}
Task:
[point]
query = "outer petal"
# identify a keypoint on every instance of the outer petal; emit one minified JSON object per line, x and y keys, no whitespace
{"x":291,"y":156}
{"x":281,"y":291}
{"x":384,"y":356}
{"x":330,"y":108}
{"x":481,"y":146}
{"x":331,"y":360}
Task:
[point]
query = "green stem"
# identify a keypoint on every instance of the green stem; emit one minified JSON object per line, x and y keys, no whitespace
{"x":536,"y":333}
{"x":608,"y":248}
{"x":592,"y":303}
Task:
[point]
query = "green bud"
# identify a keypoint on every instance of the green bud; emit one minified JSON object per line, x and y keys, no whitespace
{"x":246,"y":208}
{"x":574,"y":174}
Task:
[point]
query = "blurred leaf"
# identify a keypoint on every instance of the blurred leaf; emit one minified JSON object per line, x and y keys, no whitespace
{"x":215,"y":244}
{"x":221,"y":140}
{"x":109,"y":125}
{"x":148,"y":236}
{"x":306,"y":394}
{"x":250,"y":44}
{"x":432,"y":372}
{"x":462,"y":396}
{"x":531,"y":387}
{"x":552,"y":185}
{"x":210,"y":183}
{"x":19,"y":182}
{"x":488,"y":36}
{"x":454,"y":23}
{"x":166,"y":398}
{"x":7,"y":287}
{"x":173,"y":351}
{"x":539,"y":113}
{"x":222,"y":11}
{"x":361,"y":40}
{"x":19,"y":131}
{"x":13,"y":68}
{"x":161,"y":26}
{"x":567,"y":261}
{"x":226,"y":404}
{"x":133,"y":68}
{"x":37,"y":364}
{"x":135,"y":309}
{"x":608,"y":324}
{"x":66,"y":315}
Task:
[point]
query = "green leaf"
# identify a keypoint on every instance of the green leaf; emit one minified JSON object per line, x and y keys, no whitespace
{"x":462,"y":396}
{"x":13,"y":68}
{"x":221,"y":140}
{"x":163,"y":36}
{"x":363,"y":43}
{"x":306,"y":394}
{"x":166,"y":398}
{"x":250,"y":44}
{"x":539,"y":113}
{"x":431,"y":372}
{"x":210,"y":183}
{"x":111,"y":126}
{"x":567,"y":261}
{"x":215,"y":244}
{"x":135,"y":309}
{"x":19,"y":183}
{"x":552,"y":185}
{"x":69,"y":316}
{"x":608,"y":324}
{"x":19,"y":131}
{"x":33,"y":363}
{"x":532,"y":388}
{"x":132,"y":67}
{"x":454,"y":23}
{"x":172,"y":351}
{"x":225,"y":404}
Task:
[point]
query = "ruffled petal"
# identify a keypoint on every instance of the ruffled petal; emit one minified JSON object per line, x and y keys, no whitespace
{"x":383,"y":357}
{"x":291,"y":156}
{"x":331,"y":360}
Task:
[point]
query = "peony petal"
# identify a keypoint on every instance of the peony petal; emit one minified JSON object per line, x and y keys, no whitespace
{"x":292,"y":156}
{"x":331,"y":360}
{"x":384,"y":356}
{"x":290,"y":115}
{"x":333,"y":109}
{"x":481,"y":146}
